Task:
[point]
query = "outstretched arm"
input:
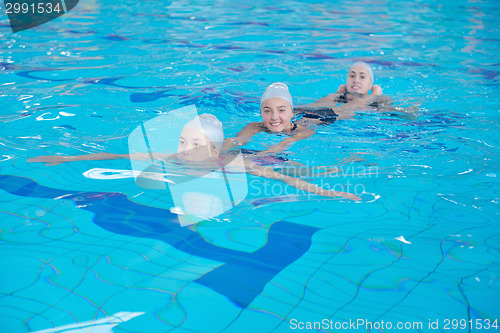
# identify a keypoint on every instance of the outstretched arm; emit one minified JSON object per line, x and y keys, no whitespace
{"x":329,"y":100}
{"x":333,"y":98}
{"x":57,"y":159}
{"x":268,"y":172}
{"x":242,"y":137}
{"x":283,"y":145}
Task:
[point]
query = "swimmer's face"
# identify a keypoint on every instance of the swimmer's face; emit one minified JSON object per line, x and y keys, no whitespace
{"x":195,"y":146}
{"x":359,"y":80}
{"x":276,"y":114}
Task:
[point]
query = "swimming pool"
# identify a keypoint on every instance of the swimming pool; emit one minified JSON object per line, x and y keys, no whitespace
{"x":421,"y":250}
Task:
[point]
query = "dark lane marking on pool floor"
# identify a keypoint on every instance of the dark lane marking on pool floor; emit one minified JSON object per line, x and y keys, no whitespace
{"x":242,"y":277}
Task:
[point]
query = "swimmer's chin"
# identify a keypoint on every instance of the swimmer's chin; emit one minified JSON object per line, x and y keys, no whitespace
{"x":275,"y":128}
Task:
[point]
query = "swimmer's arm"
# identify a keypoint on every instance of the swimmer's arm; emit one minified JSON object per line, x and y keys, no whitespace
{"x":327,"y":101}
{"x":283,"y":145}
{"x":330,"y":98}
{"x":268,"y":172}
{"x":57,"y":159}
{"x":344,"y":111}
{"x":340,"y":92}
{"x":242,"y":137}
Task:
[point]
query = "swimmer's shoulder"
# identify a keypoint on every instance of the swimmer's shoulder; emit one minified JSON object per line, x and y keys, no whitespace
{"x":259,"y":126}
{"x":254,"y":125}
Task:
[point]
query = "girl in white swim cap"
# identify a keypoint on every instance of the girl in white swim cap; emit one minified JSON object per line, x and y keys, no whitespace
{"x":353,"y":94}
{"x":276,"y":110}
{"x":358,"y":84}
{"x":201,"y":138}
{"x":360,"y":80}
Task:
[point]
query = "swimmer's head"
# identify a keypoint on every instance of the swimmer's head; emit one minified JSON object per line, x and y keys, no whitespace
{"x":277,"y":90}
{"x":276,"y":108}
{"x":367,"y":67}
{"x":201,"y":138}
{"x":360,"y":78}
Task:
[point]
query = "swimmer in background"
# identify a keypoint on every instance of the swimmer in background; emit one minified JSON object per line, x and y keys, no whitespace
{"x":276,"y":110}
{"x":199,"y":146}
{"x":360,"y":80}
{"x":352,"y":96}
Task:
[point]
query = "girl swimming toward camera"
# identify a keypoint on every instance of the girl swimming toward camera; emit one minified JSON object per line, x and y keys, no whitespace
{"x":276,"y":110}
{"x":353,"y":96}
{"x":359,"y":82}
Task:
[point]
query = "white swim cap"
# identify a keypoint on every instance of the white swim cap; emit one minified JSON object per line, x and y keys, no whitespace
{"x":209,"y":125}
{"x":365,"y":65}
{"x":277,"y":90}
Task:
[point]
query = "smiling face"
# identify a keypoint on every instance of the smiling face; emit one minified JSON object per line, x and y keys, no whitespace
{"x":359,"y":80}
{"x":276,"y":114}
{"x":195,"y":146}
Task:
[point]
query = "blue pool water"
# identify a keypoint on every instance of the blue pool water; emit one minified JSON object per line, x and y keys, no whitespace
{"x":421,"y":249}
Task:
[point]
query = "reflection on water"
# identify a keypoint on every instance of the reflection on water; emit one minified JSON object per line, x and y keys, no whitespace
{"x":425,"y":230}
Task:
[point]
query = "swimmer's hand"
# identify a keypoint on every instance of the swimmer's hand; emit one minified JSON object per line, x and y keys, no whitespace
{"x":280,"y":147}
{"x":377,"y":90}
{"x":350,"y":196}
{"x":330,"y":193}
{"x":342,"y":89}
{"x":410,"y":112}
{"x":232,"y":142}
